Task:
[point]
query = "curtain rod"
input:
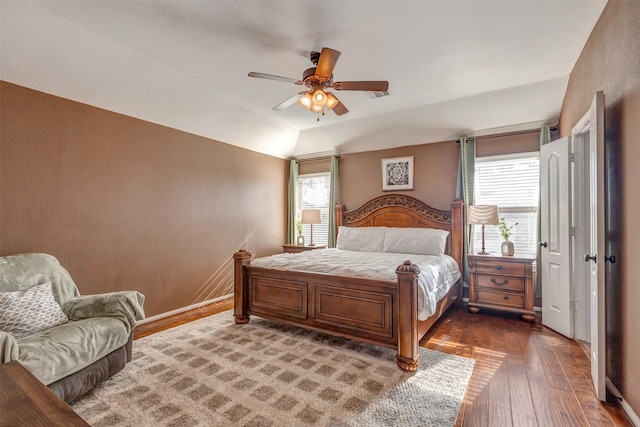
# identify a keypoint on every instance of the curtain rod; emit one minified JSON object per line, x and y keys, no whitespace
{"x":500,"y":135}
{"x":316,"y":159}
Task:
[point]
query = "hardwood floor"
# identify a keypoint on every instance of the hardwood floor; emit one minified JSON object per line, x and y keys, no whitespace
{"x":525,"y":374}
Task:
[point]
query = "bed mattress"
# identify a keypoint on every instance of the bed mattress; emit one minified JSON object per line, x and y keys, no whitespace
{"x":437,"y":273}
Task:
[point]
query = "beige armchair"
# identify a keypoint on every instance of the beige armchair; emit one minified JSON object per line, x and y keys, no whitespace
{"x":70,"y":342}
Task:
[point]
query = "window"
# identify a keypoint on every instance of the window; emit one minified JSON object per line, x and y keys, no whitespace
{"x":313,"y":193}
{"x":512,"y":183}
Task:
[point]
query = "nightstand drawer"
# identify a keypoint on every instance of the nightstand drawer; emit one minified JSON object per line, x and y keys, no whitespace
{"x":492,"y":267}
{"x":501,"y":282}
{"x":502,"y":298}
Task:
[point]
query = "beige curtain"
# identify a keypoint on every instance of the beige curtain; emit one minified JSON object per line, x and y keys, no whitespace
{"x":292,"y":201}
{"x":333,"y":200}
{"x":466,"y":171}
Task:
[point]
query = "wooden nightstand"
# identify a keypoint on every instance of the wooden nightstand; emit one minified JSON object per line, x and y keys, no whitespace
{"x":295,"y":248}
{"x":501,"y":283}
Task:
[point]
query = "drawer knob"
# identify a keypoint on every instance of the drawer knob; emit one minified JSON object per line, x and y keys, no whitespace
{"x":498,"y":267}
{"x":505,"y":296}
{"x":494,"y":281}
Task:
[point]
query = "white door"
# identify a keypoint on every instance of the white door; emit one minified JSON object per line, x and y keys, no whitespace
{"x":593,"y":123}
{"x":554,"y":233}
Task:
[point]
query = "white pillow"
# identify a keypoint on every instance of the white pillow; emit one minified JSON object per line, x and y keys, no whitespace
{"x":365,"y":239}
{"x":29,"y":311}
{"x":420,"y":241}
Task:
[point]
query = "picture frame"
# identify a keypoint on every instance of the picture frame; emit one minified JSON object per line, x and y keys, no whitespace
{"x":397,"y":173}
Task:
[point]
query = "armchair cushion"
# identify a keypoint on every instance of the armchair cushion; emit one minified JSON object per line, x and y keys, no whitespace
{"x":30,"y":310}
{"x":18,"y":272}
{"x":55,"y":353}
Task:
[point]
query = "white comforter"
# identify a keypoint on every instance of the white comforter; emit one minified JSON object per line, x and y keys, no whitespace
{"x":437,"y":273}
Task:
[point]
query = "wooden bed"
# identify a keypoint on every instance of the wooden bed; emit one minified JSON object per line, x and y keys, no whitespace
{"x":384,"y":313}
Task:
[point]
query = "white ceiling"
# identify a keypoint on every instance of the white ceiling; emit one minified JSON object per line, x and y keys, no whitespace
{"x":453,"y":66}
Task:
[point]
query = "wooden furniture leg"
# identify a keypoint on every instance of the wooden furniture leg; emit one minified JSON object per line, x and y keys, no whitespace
{"x":408,"y":341}
{"x":241,"y":291}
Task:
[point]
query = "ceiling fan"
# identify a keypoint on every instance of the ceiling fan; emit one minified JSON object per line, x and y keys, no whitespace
{"x":319,"y":78}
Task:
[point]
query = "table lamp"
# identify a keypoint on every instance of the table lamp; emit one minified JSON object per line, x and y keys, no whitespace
{"x":312,"y":216}
{"x":483,"y":215}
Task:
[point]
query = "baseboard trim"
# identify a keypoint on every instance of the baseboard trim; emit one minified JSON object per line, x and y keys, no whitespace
{"x":184,"y":309}
{"x":625,"y":405}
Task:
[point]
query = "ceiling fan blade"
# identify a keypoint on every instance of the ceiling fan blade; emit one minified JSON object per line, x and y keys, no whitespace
{"x":272,"y":77}
{"x":327,"y":62}
{"x":287,"y":103}
{"x":340,"y":109}
{"x":373,"y":86}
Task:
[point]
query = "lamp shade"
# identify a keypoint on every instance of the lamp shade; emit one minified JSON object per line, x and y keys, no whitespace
{"x":332,"y":101}
{"x":306,"y":101}
{"x":319,"y":97}
{"x":312,"y":216}
{"x":483,"y":214}
{"x":317,"y":109}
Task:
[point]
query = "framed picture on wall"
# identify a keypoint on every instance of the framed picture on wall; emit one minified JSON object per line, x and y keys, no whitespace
{"x":397,"y":173}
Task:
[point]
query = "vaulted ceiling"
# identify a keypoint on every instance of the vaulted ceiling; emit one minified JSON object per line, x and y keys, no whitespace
{"x":454,"y":67}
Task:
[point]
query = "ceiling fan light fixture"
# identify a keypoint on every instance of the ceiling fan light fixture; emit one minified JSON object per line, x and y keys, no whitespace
{"x":332,"y":101}
{"x":317,"y":79}
{"x":319,"y":97}
{"x":306,"y":101}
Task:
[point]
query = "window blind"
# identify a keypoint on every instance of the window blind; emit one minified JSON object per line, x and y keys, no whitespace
{"x":512,"y":183}
{"x":313,"y":193}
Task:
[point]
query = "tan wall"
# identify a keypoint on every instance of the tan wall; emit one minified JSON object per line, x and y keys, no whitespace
{"x":127,"y":204}
{"x":435,"y":177}
{"x":610,"y":61}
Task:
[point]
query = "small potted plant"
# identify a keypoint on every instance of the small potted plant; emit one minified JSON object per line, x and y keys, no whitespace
{"x":300,"y":235}
{"x":506,"y":248}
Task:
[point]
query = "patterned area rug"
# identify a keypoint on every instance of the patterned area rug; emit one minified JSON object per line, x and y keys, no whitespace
{"x":212,"y":372}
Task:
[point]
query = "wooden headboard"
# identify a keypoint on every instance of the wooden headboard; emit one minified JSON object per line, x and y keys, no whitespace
{"x":397,"y":210}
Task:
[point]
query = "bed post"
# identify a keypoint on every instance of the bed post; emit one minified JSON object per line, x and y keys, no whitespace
{"x":457,"y":237}
{"x":240,"y":290}
{"x":339,"y":210}
{"x":408,"y":342}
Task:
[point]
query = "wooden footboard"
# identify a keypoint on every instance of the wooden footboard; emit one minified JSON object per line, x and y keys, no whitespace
{"x":384,"y":313}
{"x":378,"y":312}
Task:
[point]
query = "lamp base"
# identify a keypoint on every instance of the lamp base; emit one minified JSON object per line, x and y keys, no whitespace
{"x":484,"y":253}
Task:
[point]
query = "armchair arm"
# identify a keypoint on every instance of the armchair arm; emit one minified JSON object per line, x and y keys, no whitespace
{"x":123,"y":305}
{"x":8,"y":348}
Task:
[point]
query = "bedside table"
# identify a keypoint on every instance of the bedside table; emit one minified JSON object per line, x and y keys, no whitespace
{"x":292,"y":249}
{"x":501,"y":283}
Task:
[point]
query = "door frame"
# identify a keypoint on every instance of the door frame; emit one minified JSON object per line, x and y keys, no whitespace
{"x":588,"y":134}
{"x":579,"y":171}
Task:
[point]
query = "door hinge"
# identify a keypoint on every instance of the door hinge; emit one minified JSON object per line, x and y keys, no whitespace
{"x":572,"y":157}
{"x":575,"y":305}
{"x":572,"y":231}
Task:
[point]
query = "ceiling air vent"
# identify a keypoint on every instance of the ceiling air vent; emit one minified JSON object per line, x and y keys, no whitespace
{"x":377,"y":94}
